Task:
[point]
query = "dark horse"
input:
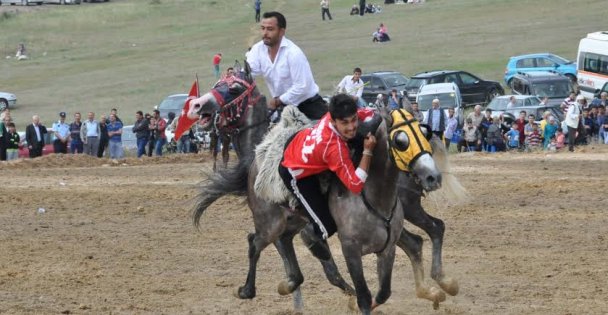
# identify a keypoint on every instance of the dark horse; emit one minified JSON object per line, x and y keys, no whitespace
{"x":245,"y":113}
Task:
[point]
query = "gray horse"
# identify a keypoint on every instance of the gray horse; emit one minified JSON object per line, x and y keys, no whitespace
{"x":234,"y":99}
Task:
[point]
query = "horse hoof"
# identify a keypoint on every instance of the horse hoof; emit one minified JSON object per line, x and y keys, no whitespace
{"x":450,"y":286}
{"x":352,"y":304}
{"x":284,"y":288}
{"x":244,"y":293}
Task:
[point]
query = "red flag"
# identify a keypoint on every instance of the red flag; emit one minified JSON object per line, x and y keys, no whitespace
{"x":184,"y":123}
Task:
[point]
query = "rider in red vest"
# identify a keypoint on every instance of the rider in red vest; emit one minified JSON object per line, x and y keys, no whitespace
{"x":321,"y":148}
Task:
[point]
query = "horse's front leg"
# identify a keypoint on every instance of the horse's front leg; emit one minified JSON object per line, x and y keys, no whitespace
{"x":385,"y":263}
{"x":352,"y":254}
{"x":412,"y":246}
{"x":435,"y":228}
{"x":285,"y":248}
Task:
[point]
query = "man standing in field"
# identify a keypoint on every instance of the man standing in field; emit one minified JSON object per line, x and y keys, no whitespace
{"x":285,"y":69}
{"x":216,"y":65}
{"x":353,"y":86}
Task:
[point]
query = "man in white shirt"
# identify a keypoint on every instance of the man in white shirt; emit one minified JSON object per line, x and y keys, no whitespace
{"x":353,"y":86}
{"x":90,"y":133}
{"x":285,"y":69}
{"x":61,"y":131}
{"x":436,"y":119}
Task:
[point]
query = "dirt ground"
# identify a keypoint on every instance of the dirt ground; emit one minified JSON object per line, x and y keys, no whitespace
{"x":118,"y":238}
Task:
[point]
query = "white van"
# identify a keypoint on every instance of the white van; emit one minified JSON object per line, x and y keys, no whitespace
{"x":448,"y":95}
{"x":592,"y":68}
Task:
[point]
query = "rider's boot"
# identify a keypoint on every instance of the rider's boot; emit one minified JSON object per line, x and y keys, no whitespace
{"x":315,"y":243}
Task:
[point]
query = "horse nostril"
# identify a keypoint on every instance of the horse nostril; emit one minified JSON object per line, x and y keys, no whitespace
{"x":431,"y":179}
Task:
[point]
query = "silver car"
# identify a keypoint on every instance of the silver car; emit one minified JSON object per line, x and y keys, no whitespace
{"x":63,"y":1}
{"x":7,"y":100}
{"x":21,"y":2}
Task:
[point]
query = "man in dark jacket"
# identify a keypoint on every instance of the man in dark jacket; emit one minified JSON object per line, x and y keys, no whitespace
{"x":34,"y":135}
{"x":142,"y":132}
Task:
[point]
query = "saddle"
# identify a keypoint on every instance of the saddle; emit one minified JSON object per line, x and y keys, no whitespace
{"x":269,"y":153}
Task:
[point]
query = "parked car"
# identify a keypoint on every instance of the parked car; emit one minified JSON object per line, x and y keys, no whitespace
{"x":539,"y":62}
{"x":473,"y":89}
{"x":63,"y":1}
{"x":7,"y":100}
{"x":549,"y":84}
{"x":511,"y":114}
{"x":21,"y":2}
{"x":129,"y":141}
{"x":599,"y":91}
{"x":172,"y":103}
{"x":382,"y":82}
{"x":500,"y":103}
{"x":24,"y":151}
{"x":95,"y":0}
{"x":448,"y":95}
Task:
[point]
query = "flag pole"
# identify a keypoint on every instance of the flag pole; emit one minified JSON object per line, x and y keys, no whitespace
{"x":198,"y":87}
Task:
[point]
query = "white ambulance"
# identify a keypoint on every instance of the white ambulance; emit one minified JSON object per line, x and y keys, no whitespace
{"x":592,"y":63}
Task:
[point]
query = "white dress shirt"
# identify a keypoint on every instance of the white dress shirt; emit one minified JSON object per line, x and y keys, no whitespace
{"x":351,"y":88}
{"x":289,"y":77}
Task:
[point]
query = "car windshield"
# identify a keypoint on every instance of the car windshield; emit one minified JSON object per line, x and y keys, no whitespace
{"x":415,"y":83}
{"x":552,"y":89}
{"x":394,"y":79}
{"x":173,"y":103}
{"x":446,"y":100}
{"x":558,"y":59}
{"x":500,"y":103}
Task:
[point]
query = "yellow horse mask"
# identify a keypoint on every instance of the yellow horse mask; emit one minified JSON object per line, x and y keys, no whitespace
{"x":409,"y":139}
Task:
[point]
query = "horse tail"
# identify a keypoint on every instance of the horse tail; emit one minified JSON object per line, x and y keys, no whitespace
{"x":229,"y":181}
{"x":452,"y":189}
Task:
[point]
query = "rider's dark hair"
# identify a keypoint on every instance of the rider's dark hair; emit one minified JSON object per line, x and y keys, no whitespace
{"x":342,"y":106}
{"x":357,"y":70}
{"x":281,"y":21}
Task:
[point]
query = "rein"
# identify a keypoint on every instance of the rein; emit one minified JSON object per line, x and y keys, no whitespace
{"x":386,"y":221}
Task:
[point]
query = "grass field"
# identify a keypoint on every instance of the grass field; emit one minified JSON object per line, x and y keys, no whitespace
{"x":130,"y":54}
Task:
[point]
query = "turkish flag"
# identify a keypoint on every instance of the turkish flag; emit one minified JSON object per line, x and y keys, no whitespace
{"x":184,"y":123}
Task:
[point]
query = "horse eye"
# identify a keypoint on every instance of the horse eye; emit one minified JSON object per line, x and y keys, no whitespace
{"x":401,"y":141}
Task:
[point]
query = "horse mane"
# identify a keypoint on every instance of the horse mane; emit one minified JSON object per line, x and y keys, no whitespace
{"x":451,"y":190}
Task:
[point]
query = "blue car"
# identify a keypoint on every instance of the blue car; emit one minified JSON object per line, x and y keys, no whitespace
{"x":539,"y":62}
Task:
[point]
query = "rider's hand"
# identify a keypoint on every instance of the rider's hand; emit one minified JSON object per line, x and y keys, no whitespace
{"x":370,"y":142}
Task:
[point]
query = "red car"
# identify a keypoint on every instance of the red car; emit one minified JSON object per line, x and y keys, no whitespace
{"x":24,"y":152}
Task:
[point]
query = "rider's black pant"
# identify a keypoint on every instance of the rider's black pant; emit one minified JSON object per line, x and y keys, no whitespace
{"x":308,"y":191}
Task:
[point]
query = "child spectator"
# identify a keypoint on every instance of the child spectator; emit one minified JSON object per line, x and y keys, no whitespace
{"x":494,"y":139}
{"x":533,"y":138}
{"x":560,"y":139}
{"x":549,"y":131}
{"x":12,"y":150}
{"x":513,"y":136}
{"x":472,"y":136}
{"x":552,"y":146}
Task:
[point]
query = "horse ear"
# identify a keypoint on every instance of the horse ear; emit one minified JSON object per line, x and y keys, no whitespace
{"x":237,"y":66}
{"x":247,"y":68}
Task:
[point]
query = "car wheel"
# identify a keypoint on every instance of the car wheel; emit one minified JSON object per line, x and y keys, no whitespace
{"x":3,"y":104}
{"x":491,"y":95}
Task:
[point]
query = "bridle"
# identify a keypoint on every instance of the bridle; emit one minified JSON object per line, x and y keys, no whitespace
{"x":232,"y":115}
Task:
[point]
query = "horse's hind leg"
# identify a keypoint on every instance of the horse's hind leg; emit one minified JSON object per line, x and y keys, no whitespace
{"x":435,"y":228}
{"x":322,"y":252}
{"x":412,"y":246}
{"x":256,"y":245}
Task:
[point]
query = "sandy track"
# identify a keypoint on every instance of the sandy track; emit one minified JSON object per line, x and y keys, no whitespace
{"x":117,"y":238}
